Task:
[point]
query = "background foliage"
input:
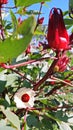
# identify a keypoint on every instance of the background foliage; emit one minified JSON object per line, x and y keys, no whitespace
{"x":25,"y":68}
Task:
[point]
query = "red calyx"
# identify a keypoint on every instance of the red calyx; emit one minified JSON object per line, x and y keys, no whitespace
{"x":57,"y":35}
{"x":62,"y":63}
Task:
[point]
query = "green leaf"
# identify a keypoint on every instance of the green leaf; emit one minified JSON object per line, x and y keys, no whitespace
{"x":6,"y":128}
{"x":12,"y":118}
{"x":11,"y":78}
{"x":12,"y":47}
{"x":7,"y":98}
{"x":14,"y":20}
{"x":2,"y":122}
{"x":64,"y":126}
{"x":2,"y":82}
{"x":71,"y":8}
{"x":2,"y":86}
{"x":32,"y":121}
{"x":65,"y":13}
{"x":26,"y":3}
{"x":27,"y":26}
{"x":71,"y":3}
{"x":68,"y":21}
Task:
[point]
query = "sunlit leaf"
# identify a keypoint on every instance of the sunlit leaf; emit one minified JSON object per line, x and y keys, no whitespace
{"x":12,"y":47}
{"x":64,"y":126}
{"x":71,"y":3}
{"x":14,"y":20}
{"x":6,"y":128}
{"x":68,"y":21}
{"x":71,"y":8}
{"x":12,"y":118}
{"x":26,"y":3}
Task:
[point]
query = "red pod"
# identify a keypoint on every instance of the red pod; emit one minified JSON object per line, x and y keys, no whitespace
{"x":3,"y":2}
{"x":57,"y":35}
{"x":62,"y":63}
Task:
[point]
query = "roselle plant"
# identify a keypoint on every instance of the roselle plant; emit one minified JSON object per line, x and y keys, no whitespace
{"x":36,"y":67}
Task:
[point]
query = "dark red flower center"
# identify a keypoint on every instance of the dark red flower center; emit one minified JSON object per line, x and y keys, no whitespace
{"x":25,"y":97}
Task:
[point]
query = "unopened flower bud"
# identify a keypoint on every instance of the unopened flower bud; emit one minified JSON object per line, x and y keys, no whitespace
{"x":40,"y":21}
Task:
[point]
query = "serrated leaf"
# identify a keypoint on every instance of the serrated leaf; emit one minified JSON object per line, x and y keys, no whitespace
{"x":64,"y":126}
{"x":12,"y":47}
{"x":26,"y":3}
{"x":12,"y":118}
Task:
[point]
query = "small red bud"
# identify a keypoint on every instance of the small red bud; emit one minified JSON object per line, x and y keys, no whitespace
{"x":40,"y":21}
{"x":66,"y":80}
{"x":42,"y":3}
{"x":28,"y":50}
{"x":52,"y":82}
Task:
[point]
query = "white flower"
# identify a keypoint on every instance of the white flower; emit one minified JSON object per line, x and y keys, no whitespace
{"x":24,"y":98}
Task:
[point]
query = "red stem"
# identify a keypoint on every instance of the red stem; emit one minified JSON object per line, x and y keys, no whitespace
{"x":0,"y":14}
{"x":38,"y":17}
{"x":1,"y":27}
{"x":22,"y":75}
{"x":3,"y":65}
{"x":49,"y":72}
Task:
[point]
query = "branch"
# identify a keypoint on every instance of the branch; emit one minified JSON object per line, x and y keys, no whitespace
{"x":58,"y":86}
{"x":49,"y":73}
{"x":22,"y":75}
{"x":3,"y":65}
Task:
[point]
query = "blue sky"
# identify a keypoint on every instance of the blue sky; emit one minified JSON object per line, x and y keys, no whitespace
{"x":63,"y":4}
